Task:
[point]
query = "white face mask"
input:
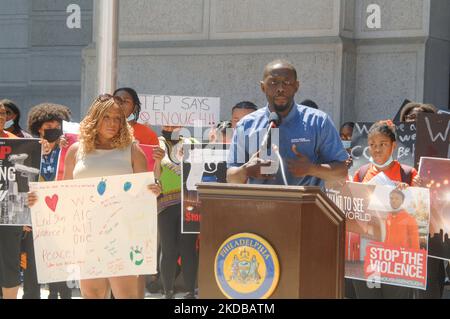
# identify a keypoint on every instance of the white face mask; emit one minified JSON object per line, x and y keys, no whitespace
{"x":132,"y":117}
{"x":9,"y":123}
{"x":347,"y":144}
{"x":386,"y":164}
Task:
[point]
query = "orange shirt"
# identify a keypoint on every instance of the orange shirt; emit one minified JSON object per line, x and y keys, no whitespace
{"x":145,"y":135}
{"x":402,"y":231}
{"x":393,"y":173}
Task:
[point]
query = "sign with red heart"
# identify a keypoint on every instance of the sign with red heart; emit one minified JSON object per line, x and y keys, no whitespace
{"x":52,"y":202}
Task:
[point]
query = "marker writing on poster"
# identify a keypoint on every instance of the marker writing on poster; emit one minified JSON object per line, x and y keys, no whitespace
{"x":406,"y":134}
{"x":82,"y":227}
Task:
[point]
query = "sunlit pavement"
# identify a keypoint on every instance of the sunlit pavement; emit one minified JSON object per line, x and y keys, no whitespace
{"x":77,"y":295}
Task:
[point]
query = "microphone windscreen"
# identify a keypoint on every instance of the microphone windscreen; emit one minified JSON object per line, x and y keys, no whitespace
{"x":274,"y":117}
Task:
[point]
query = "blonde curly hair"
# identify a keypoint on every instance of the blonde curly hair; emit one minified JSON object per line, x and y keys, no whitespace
{"x":89,"y":126}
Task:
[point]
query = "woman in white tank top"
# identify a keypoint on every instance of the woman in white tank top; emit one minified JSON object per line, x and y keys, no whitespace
{"x":106,"y":148}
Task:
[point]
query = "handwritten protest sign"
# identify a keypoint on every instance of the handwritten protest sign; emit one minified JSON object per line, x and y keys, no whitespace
{"x":435,"y":174}
{"x":95,"y":228}
{"x":404,"y":152}
{"x":20,"y":161}
{"x":433,"y":136}
{"x":386,"y":233}
{"x":179,"y":110}
{"x":201,"y":163}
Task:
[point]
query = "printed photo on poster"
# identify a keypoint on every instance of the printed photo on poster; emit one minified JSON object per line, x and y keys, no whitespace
{"x":435,"y":174}
{"x":20,"y":161}
{"x":95,"y":228}
{"x":386,"y":233}
{"x":201,"y":163}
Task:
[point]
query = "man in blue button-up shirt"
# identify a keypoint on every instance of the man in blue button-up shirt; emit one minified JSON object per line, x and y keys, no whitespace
{"x":309,"y":143}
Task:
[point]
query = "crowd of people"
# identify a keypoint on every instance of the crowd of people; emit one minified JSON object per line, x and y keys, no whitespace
{"x":311,"y":147}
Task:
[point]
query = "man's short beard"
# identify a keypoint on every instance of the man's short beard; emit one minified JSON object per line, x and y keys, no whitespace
{"x":282,"y":108}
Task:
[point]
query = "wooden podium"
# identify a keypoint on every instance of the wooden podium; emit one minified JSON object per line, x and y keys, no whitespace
{"x":305,"y":228}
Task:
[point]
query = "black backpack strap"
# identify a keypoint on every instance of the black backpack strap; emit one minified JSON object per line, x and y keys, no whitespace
{"x":362,"y":172}
{"x":406,"y":174}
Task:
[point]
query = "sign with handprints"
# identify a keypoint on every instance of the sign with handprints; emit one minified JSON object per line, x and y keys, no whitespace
{"x":104,"y":226}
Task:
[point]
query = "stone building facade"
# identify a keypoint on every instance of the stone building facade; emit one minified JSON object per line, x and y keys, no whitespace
{"x":218,"y":48}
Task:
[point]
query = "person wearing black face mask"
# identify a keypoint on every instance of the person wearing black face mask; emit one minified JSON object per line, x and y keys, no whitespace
{"x":45,"y":121}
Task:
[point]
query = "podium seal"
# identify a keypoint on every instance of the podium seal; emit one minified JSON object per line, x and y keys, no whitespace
{"x":246,"y":267}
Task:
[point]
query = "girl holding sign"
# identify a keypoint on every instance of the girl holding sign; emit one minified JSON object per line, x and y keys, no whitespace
{"x":142,"y":133}
{"x":45,"y":121}
{"x":382,"y":143}
{"x":106,"y":148}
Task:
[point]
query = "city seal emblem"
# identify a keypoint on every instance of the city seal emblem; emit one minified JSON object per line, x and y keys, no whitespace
{"x":246,"y":267}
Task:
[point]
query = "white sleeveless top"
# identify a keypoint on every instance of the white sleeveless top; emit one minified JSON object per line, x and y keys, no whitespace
{"x":103,"y":163}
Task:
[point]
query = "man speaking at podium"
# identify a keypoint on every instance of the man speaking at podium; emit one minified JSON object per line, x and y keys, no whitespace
{"x":307,"y":148}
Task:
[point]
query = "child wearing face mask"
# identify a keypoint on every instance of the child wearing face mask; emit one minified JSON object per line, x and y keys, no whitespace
{"x":45,"y":121}
{"x":12,"y":123}
{"x":382,"y":143}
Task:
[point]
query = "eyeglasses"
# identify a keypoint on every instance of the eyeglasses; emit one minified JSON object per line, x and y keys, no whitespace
{"x":106,"y":97}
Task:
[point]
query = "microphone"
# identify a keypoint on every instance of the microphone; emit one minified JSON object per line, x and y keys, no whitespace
{"x":274,"y":121}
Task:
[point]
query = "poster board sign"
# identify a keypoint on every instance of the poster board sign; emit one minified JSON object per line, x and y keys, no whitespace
{"x":433,"y":136}
{"x":435,"y":174}
{"x":185,"y":111}
{"x":404,"y":152}
{"x":20,"y":163}
{"x":95,"y":228}
{"x":201,"y":163}
{"x":386,"y":233}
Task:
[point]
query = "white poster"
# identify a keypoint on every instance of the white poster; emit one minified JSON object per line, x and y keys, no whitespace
{"x":179,"y":110}
{"x":95,"y":228}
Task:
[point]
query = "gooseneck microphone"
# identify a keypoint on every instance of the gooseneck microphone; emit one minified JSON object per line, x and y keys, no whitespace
{"x":274,"y":121}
